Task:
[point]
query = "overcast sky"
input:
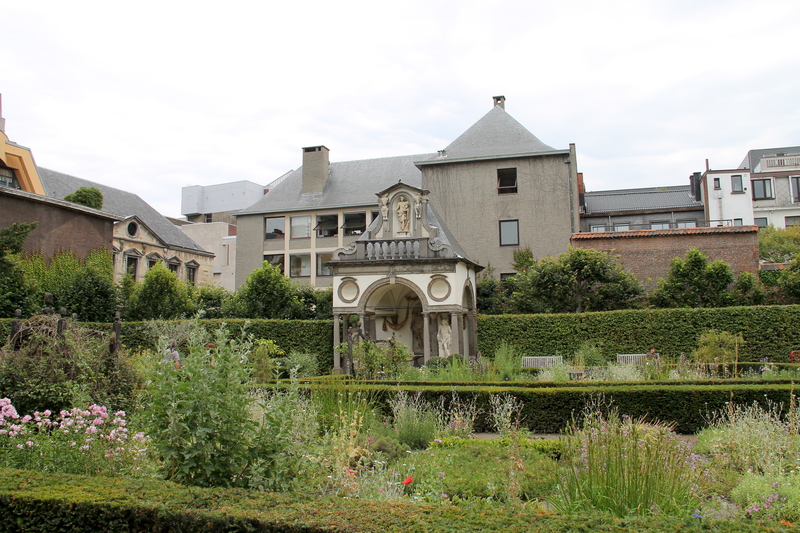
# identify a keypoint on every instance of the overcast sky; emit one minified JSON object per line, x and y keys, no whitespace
{"x":150,"y":96}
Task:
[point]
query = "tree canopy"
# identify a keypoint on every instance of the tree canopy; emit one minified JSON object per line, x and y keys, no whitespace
{"x":266,"y":293}
{"x":576,"y":281}
{"x":778,"y":245}
{"x":88,"y":196}
{"x":694,"y":281}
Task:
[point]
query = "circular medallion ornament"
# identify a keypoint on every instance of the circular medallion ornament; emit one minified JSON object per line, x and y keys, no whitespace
{"x":439,"y":289}
{"x":349,"y":291}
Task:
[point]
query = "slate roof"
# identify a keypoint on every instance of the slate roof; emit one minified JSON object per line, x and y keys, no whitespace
{"x":123,"y":204}
{"x":753,"y":157}
{"x":645,"y":199}
{"x":350,"y":183}
{"x":496,"y":134}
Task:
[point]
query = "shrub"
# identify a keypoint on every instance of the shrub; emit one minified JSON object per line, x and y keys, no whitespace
{"x":160,"y":296}
{"x":414,"y":420}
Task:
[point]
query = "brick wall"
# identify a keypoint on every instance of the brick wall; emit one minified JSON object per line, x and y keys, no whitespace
{"x":60,"y":228}
{"x":648,"y":253}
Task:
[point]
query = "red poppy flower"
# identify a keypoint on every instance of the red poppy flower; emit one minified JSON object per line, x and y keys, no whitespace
{"x":407,"y":481}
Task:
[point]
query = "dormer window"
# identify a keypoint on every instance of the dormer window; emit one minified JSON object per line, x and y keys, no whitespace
{"x":7,"y":178}
{"x":506,"y":181}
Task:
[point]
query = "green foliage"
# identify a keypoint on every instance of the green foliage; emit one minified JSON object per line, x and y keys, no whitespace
{"x":372,"y":360}
{"x":507,"y":363}
{"x":778,"y":245}
{"x":414,"y":419}
{"x":15,"y":293}
{"x":789,"y":280}
{"x":693,"y":281}
{"x":88,"y":196}
{"x":717,"y":347}
{"x":92,"y":296}
{"x":266,"y":293}
{"x":624,"y":466}
{"x":161,"y":295}
{"x":212,"y":301}
{"x":55,"y":372}
{"x":577,"y":281}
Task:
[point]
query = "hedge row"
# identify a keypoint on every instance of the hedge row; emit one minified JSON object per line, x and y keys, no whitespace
{"x":769,"y":331}
{"x":33,"y":502}
{"x":552,"y":409}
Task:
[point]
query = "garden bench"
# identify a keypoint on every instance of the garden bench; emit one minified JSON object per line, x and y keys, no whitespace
{"x":542,"y":362}
{"x":631,"y":358}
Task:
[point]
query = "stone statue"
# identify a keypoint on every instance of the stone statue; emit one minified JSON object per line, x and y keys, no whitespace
{"x":385,"y":208}
{"x":418,"y":206}
{"x":443,"y":336}
{"x":402,"y":213}
{"x":417,"y":332}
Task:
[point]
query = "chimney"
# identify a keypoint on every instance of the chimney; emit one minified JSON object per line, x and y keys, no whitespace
{"x":499,"y":100}
{"x":315,"y":168}
{"x":694,"y":186}
{"x":2,"y":120}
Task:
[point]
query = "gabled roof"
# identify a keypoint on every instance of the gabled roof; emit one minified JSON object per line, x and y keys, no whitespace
{"x":123,"y":204}
{"x":350,"y":183}
{"x":644,"y":199}
{"x":496,"y":134}
{"x":753,"y":157}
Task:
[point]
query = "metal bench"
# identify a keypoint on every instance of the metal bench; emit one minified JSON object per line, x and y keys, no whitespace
{"x":631,"y":358}
{"x":542,"y":362}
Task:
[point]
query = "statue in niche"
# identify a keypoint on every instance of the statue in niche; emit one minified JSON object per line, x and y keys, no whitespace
{"x":417,"y":332}
{"x":418,"y":206}
{"x":443,"y":336}
{"x":402,"y":213}
{"x":385,"y":208}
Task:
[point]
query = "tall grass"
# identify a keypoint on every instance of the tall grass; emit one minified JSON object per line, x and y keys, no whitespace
{"x":623,"y":466}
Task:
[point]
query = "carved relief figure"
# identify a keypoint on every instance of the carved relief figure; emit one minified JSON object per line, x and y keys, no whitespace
{"x":402,"y":213}
{"x":418,"y":206}
{"x":444,"y":336}
{"x":417,"y":332}
{"x":385,"y":208}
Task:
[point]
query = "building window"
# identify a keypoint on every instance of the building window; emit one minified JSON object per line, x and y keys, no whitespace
{"x":354,"y":223}
{"x":717,"y":185}
{"x":795,"y":181}
{"x":7,"y":178}
{"x":506,"y":180}
{"x":327,"y":226}
{"x":686,"y":224}
{"x":792,"y":221}
{"x":736,"y":184}
{"x":208,"y":218}
{"x":597,"y":228}
{"x":509,"y":233}
{"x":133,"y":229}
{"x":738,"y":222}
{"x":131,"y":265}
{"x":301,"y":226}
{"x":275,"y":228}
{"x":174,"y":264}
{"x":323,"y":269}
{"x":762,"y":189}
{"x":659,"y":224}
{"x":761,"y":222}
{"x":277,"y":260}
{"x":191,"y":274}
{"x":622,"y":227}
{"x":151,"y":262}
{"x":507,"y":275}
{"x":300,"y":265}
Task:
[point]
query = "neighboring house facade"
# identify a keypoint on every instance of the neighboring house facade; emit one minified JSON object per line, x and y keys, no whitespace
{"x":219,"y":238}
{"x":497,"y":187}
{"x":763,"y":190}
{"x":143,"y":237}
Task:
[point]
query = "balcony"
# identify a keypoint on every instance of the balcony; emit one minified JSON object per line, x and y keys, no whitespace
{"x":392,"y":250}
{"x":781,"y":162}
{"x":598,"y":228}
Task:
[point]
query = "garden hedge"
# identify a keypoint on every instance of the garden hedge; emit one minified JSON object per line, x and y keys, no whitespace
{"x":34,"y":502}
{"x":550,"y":409}
{"x":768,"y":331}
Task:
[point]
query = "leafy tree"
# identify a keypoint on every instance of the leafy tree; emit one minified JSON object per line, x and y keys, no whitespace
{"x":92,"y":296}
{"x":789,"y":280}
{"x":15,"y":293}
{"x":717,"y":347}
{"x":212,"y":300}
{"x":314,"y":303}
{"x":266,"y":293}
{"x":694,"y":281}
{"x":161,"y":295}
{"x":778,"y":245}
{"x":576,"y":281}
{"x":88,"y":196}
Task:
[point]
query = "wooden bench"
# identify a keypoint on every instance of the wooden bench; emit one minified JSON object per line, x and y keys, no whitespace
{"x":631,"y":358}
{"x":542,"y":362}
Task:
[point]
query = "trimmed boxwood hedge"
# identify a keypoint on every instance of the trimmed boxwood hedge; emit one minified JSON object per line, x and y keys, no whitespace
{"x":34,"y":502}
{"x":769,"y":331}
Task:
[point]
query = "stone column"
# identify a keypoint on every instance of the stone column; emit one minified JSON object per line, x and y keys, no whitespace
{"x":455,"y":333}
{"x":472,"y":337}
{"x":426,"y":337}
{"x":337,"y":357}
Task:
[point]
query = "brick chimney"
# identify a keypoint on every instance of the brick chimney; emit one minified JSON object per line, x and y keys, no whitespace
{"x":315,"y":168}
{"x":499,"y":100}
